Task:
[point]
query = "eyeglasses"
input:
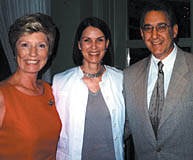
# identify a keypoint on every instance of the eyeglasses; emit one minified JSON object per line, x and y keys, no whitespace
{"x":159,"y":28}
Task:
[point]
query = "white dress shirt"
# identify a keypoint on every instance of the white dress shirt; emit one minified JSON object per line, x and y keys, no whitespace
{"x":167,"y":69}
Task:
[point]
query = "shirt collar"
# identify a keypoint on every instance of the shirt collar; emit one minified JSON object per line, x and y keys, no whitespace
{"x":168,"y":61}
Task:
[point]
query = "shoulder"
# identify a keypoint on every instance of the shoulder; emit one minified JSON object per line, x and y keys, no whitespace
{"x":114,"y":76}
{"x":66,"y":78}
{"x":114,"y":71}
{"x":188,"y":58}
{"x":4,"y":86}
{"x":189,"y":62}
{"x":66,"y":74}
{"x":45,"y":84}
{"x":135,"y":68}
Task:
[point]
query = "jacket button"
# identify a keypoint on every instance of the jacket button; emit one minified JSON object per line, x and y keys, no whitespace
{"x":158,"y":149}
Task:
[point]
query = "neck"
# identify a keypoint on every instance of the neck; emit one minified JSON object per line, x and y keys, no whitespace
{"x":93,"y":74}
{"x":25,"y":79}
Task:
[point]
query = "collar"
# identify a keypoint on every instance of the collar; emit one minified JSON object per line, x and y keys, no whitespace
{"x":168,"y":61}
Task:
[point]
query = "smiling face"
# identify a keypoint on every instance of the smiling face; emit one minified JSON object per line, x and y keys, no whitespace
{"x":93,"y":45}
{"x":159,"y":43}
{"x":32,"y":52}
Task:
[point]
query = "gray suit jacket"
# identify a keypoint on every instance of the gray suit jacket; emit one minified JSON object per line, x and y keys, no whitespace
{"x":175,"y":132}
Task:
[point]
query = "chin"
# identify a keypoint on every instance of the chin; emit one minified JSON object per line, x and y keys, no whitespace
{"x":32,"y":71}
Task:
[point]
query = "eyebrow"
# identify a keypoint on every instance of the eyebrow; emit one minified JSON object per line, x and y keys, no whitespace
{"x":89,"y":37}
{"x":156,"y":25}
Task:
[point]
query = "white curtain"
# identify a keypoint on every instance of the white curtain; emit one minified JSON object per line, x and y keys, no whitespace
{"x":10,"y":10}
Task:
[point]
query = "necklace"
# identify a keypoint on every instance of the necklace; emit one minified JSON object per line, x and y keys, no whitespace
{"x":94,"y":75}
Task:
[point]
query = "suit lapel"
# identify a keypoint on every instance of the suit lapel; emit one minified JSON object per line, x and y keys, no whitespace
{"x":141,"y":94}
{"x":176,"y":86}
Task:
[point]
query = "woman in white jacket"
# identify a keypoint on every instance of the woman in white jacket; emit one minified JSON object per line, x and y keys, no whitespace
{"x":89,"y":98}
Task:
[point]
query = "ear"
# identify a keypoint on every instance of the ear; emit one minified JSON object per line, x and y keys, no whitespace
{"x":175,"y":31}
{"x":142,"y":34}
{"x":107,"y":43}
{"x":79,"y":45}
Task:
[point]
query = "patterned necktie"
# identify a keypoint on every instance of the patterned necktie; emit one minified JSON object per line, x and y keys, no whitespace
{"x":157,"y":99}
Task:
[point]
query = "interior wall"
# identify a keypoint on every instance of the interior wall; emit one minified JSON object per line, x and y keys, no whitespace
{"x":66,"y":15}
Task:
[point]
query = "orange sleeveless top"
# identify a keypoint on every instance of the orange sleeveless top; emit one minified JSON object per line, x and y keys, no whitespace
{"x":31,"y":125}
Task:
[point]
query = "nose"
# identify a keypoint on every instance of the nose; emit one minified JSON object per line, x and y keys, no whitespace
{"x":154,"y":33}
{"x":33,"y":51}
{"x":93,"y":45}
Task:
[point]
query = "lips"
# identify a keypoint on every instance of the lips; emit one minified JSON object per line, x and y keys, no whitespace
{"x":156,"y":43}
{"x":94,"y":53}
{"x":32,"y":61}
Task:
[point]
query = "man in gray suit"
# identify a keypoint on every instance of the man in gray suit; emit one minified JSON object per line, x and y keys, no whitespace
{"x":173,"y":139}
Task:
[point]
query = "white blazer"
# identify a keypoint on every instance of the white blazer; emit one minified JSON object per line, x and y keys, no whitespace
{"x":71,"y":95}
